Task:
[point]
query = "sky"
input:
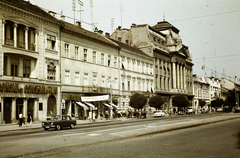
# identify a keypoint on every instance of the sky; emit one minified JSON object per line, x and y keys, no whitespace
{"x":210,"y":28}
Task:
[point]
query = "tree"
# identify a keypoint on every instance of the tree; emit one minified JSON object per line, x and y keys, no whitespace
{"x":217,"y":103}
{"x":180,"y":101}
{"x":202,"y":103}
{"x":156,"y":101}
{"x":231,"y":97}
{"x":138,"y":101}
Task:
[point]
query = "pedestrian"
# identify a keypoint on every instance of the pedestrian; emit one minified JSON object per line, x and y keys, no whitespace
{"x":170,"y":112}
{"x":174,"y":111}
{"x":20,"y":119}
{"x":29,"y":119}
{"x":126,"y":113}
{"x":101,"y":114}
{"x":106,"y":114}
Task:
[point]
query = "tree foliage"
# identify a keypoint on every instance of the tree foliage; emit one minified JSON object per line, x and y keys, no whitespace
{"x":231,"y":97}
{"x":217,"y":103}
{"x":180,"y":101}
{"x":202,"y":103}
{"x":138,"y":101}
{"x":156,"y":101}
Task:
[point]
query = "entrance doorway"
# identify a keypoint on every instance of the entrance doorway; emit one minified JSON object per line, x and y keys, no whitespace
{"x":7,"y":110}
{"x":19,"y":107}
{"x":30,"y":108}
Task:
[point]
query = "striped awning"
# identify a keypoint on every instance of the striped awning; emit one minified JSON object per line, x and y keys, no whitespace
{"x":83,"y":105}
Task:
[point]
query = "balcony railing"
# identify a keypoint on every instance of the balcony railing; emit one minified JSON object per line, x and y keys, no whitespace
{"x":31,"y":47}
{"x":20,"y":44}
{"x":9,"y":42}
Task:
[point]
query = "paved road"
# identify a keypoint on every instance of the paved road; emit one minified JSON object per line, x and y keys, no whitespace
{"x":54,"y":142}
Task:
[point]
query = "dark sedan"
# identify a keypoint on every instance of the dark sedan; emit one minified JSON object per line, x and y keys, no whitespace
{"x":58,"y":122}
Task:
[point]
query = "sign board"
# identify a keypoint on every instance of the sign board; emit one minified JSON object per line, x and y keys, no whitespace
{"x":95,"y":98}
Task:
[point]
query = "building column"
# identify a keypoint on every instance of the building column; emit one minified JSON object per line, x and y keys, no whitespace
{"x":36,"y":103}
{"x":184,"y":78}
{"x":14,"y":105}
{"x":181,"y":77}
{"x":3,"y":32}
{"x":174,"y":75}
{"x":15,"y":35}
{"x":2,"y":109}
{"x":36,"y":40}
{"x":178,"y":76}
{"x":26,"y":37}
{"x":25,"y":107}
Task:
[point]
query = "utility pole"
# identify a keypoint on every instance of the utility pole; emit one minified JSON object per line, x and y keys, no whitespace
{"x":91,"y":5}
{"x":112,"y":24}
{"x":121,"y":9}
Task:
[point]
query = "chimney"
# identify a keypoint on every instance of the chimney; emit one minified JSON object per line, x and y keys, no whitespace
{"x":78,"y":23}
{"x":133,"y":25}
{"x":52,"y":13}
{"x":62,"y":17}
{"x":96,"y":30}
{"x":107,"y":34}
{"x":119,"y":39}
{"x":100,"y":32}
{"x":127,"y":42}
{"x":119,"y":28}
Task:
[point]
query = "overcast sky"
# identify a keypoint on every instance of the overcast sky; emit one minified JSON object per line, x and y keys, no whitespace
{"x":210,"y":28}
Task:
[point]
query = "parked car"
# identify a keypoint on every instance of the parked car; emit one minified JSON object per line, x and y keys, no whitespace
{"x":219,"y":109}
{"x":191,"y":110}
{"x":58,"y":122}
{"x":159,"y":113}
{"x":204,"y":111}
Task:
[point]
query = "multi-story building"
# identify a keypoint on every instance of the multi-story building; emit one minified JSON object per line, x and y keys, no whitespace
{"x":215,"y":87}
{"x":30,"y":62}
{"x":226,"y":86}
{"x":172,"y":64}
{"x":201,"y":91}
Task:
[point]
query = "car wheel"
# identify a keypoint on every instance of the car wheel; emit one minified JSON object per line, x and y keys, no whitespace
{"x":58,"y":127}
{"x":72,"y":126}
{"x":45,"y":129}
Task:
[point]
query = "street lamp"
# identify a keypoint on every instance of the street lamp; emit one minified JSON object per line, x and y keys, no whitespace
{"x":111,"y":107}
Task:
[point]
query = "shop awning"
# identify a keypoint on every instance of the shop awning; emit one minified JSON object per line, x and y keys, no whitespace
{"x":113,"y":105}
{"x":106,"y":104}
{"x":90,"y":105}
{"x":83,"y":105}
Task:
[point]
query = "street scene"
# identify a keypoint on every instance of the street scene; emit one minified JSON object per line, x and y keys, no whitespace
{"x":86,"y":78}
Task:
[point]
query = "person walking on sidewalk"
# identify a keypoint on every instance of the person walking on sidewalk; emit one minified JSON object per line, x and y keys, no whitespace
{"x":20,"y":119}
{"x":106,"y":114}
{"x":29,"y":119}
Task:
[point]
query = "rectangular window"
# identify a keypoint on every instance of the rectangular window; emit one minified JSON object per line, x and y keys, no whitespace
{"x":133,"y":86}
{"x":139,"y":86}
{"x":123,"y":87}
{"x":76,"y":52}
{"x":67,"y":50}
{"x":102,"y":59}
{"x":40,"y":106}
{"x":94,"y":80}
{"x":109,"y":82}
{"x":94,"y":57}
{"x":85,"y":54}
{"x":129,"y":85}
{"x":109,"y":60}
{"x":67,"y":76}
{"x":85,"y":79}
{"x":26,"y":68}
{"x":76,"y":78}
{"x":115,"y":83}
{"x":103,"y":81}
{"x":14,"y":70}
{"x":51,"y":42}
{"x":115,"y":61}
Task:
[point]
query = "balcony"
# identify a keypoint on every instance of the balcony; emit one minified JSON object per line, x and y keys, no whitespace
{"x":9,"y":42}
{"x":21,"y":44}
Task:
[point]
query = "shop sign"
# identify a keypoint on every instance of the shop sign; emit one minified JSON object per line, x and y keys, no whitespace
{"x":33,"y":89}
{"x":94,"y":98}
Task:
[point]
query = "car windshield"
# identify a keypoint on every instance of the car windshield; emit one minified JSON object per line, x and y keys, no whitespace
{"x":56,"y":117}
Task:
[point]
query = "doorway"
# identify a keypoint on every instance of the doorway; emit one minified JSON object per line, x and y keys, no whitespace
{"x":19,"y":107}
{"x":7,"y":109}
{"x":30,"y":107}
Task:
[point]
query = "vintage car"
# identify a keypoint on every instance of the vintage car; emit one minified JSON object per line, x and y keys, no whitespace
{"x":159,"y":113}
{"x":59,"y":122}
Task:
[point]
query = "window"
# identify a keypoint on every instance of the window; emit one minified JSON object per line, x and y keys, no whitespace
{"x":109,"y":82}
{"x":14,"y":70}
{"x":85,"y":54}
{"x":129,"y":85}
{"x":115,"y":61}
{"x":115,"y":83}
{"x":94,"y":57}
{"x":85,"y":79}
{"x":109,"y":60}
{"x":123,"y":86}
{"x":67,"y":73}
{"x":139,"y":86}
{"x":66,"y":50}
{"x":76,"y":52}
{"x":26,"y":68}
{"x":102,"y":59}
{"x":76,"y":78}
{"x":94,"y":80}
{"x":51,"y":42}
{"x":51,"y":69}
{"x":103,"y":81}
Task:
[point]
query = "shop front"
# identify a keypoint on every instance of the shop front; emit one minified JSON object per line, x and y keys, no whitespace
{"x":38,"y":100}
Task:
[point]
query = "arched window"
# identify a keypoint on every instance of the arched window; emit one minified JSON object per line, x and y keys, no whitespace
{"x":51,"y":106}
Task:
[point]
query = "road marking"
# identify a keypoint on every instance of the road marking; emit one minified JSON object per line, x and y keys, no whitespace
{"x":93,"y":134}
{"x":73,"y":134}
